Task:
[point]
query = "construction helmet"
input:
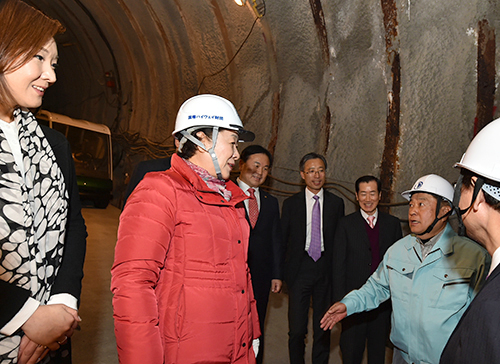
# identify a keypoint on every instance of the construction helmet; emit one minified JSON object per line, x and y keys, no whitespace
{"x":439,"y":188}
{"x":209,"y":111}
{"x":482,"y":158}
{"x":483,"y":154}
{"x":433,"y":184}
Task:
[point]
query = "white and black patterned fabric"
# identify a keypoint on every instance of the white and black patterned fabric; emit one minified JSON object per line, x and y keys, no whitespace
{"x":33,"y":214}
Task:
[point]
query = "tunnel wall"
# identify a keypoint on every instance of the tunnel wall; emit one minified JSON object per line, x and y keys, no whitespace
{"x":387,"y":88}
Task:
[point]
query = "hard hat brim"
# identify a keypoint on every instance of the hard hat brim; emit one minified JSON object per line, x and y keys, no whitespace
{"x":476,"y":171}
{"x":245,"y":135}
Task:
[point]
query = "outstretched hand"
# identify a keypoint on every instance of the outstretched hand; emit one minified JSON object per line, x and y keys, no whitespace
{"x":334,"y":314}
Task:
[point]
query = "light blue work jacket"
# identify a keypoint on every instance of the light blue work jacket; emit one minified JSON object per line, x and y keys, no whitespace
{"x":428,"y":297}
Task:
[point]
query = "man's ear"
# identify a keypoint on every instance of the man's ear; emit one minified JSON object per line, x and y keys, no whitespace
{"x":446,"y":208}
{"x":478,"y":201}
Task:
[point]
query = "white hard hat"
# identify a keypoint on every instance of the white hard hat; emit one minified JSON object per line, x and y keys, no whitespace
{"x":210,"y":111}
{"x":483,"y":154}
{"x":433,"y":184}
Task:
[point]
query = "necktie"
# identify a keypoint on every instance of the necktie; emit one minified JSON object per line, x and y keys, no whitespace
{"x":315,"y":246}
{"x":253,"y":208}
{"x":370,"y":221}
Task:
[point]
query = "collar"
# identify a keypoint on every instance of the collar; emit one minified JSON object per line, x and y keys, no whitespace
{"x":429,"y":244}
{"x":443,"y":240}
{"x":365,"y":215}
{"x":244,"y":186}
{"x":212,"y":182}
{"x":495,"y":260}
{"x":309,"y":194}
{"x":180,"y":167}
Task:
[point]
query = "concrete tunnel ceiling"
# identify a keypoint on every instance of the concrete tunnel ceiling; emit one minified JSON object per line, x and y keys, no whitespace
{"x":394,"y":88}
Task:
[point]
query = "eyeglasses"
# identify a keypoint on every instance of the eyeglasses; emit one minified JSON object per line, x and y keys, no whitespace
{"x":315,"y":171}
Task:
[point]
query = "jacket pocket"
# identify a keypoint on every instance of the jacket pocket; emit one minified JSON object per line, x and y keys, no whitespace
{"x":400,"y":279}
{"x":452,"y":287}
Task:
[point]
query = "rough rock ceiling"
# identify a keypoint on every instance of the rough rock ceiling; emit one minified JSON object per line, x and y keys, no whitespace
{"x":393,"y":88}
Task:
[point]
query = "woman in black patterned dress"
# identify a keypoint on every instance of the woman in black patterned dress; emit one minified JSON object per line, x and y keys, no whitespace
{"x":42,"y":232}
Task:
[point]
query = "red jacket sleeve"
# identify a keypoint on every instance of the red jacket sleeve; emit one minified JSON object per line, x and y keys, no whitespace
{"x":144,"y":234}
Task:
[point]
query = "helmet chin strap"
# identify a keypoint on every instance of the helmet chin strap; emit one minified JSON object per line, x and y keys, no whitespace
{"x":436,"y":220}
{"x":456,"y":201}
{"x":186,"y":135}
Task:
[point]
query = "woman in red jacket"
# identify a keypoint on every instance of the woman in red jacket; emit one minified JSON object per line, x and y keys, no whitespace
{"x":182,"y":290}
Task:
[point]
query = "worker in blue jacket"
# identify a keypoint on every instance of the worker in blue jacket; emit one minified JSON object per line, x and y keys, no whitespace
{"x":431,"y":276}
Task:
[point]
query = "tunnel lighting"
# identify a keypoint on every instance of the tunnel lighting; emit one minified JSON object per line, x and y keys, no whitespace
{"x":240,"y":2}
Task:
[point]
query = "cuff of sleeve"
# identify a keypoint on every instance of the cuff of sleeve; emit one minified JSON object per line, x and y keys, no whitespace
{"x":64,"y":299}
{"x":21,"y":317}
{"x":349,"y":305}
{"x":255,"y":345}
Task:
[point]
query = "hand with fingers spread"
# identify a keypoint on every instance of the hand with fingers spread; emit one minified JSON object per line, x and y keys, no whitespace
{"x":334,"y":314}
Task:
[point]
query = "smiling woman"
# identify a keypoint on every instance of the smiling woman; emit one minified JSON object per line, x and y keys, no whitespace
{"x":182,"y":246}
{"x":27,"y":83}
{"x":39,"y":205}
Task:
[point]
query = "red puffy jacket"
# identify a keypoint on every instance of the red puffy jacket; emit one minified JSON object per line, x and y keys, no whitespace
{"x":181,"y":284}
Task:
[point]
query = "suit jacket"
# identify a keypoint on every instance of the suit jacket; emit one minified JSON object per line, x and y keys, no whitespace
{"x":143,"y":167}
{"x":69,"y":277}
{"x":266,"y":250}
{"x":293,"y":223}
{"x":352,"y":257}
{"x":476,"y":339}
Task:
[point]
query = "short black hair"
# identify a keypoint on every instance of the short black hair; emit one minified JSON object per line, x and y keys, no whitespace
{"x":467,"y":182}
{"x":310,"y":156}
{"x":189,"y":148}
{"x":255,"y":149}
{"x":367,"y":179}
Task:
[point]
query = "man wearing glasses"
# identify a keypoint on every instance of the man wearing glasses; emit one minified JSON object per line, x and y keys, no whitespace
{"x":309,"y":219}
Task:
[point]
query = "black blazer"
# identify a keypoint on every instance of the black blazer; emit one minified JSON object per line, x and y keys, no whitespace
{"x":70,"y":275}
{"x":152,"y":165}
{"x":265,"y":250}
{"x":352,"y":257}
{"x":293,"y":223}
{"x":476,"y":337}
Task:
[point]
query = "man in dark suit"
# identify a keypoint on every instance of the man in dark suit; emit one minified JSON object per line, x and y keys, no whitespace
{"x":143,"y":167}
{"x":361,"y":241}
{"x":265,"y":251}
{"x":476,"y":338}
{"x":309,"y":235}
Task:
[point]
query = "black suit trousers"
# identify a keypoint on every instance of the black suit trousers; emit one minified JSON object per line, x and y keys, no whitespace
{"x":311,"y":283}
{"x":369,"y":328}
{"x":261,"y":294}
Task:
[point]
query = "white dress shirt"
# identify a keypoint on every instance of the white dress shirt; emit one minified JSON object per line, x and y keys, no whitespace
{"x":365,"y":216}
{"x":495,"y":260}
{"x":244,"y":187}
